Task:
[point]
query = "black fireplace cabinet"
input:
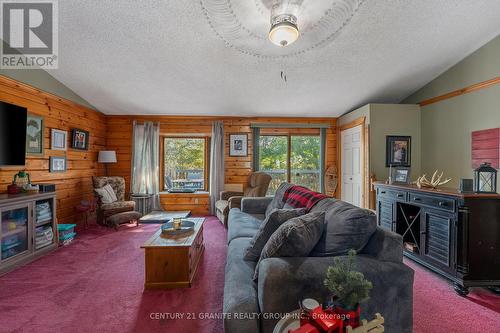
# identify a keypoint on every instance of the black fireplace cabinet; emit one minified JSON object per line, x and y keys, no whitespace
{"x":457,"y":235}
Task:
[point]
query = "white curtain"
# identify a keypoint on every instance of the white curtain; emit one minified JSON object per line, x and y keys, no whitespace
{"x":145,"y":161}
{"x":216,"y":163}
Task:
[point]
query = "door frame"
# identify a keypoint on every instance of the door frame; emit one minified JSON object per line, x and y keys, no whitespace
{"x":361,"y":121}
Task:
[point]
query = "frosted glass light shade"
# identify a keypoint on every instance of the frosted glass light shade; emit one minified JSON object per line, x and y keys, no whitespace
{"x":283,"y":34}
{"x":107,"y":156}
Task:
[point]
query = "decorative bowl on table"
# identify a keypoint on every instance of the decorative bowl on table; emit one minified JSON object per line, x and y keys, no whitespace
{"x":185,"y":227}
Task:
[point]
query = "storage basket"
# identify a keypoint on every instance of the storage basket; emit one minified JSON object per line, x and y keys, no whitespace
{"x":65,"y":230}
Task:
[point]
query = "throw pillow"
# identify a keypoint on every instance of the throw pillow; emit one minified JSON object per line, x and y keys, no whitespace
{"x":294,"y":238}
{"x":111,"y":193}
{"x":272,"y":222}
{"x":348,"y":227}
{"x":107,"y":194}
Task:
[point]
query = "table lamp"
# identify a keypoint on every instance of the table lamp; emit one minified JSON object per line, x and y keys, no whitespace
{"x":106,"y":157}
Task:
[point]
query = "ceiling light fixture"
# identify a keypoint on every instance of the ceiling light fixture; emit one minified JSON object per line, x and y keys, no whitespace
{"x":284,"y":30}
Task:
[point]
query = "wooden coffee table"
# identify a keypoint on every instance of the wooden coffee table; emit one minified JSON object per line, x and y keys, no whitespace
{"x":172,"y":261}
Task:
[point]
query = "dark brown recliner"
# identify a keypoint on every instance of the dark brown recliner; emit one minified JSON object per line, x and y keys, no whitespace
{"x":258,"y":183}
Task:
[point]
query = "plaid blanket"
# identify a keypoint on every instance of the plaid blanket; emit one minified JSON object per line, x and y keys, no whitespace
{"x":301,"y":197}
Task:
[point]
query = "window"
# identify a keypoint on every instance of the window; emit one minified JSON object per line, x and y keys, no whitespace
{"x":291,"y":158}
{"x":185,"y":163}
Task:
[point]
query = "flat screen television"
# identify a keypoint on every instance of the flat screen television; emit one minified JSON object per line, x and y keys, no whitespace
{"x":12,"y":134}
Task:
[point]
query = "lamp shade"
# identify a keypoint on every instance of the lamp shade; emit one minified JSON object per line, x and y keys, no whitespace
{"x":107,"y":156}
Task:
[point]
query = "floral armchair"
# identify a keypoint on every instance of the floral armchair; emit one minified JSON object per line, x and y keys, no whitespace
{"x":105,"y":210}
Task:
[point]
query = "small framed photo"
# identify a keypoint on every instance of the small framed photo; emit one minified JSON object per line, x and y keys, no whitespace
{"x":79,"y":139}
{"x":398,"y":151}
{"x":34,"y":135}
{"x":238,"y":145}
{"x":58,"y":139}
{"x":57,"y":164}
{"x":400,"y":175}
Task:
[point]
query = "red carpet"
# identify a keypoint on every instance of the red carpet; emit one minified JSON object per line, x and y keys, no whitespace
{"x":437,"y":308}
{"x":96,"y":285}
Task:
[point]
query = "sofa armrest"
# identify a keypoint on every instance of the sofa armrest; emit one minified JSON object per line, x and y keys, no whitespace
{"x":225,"y":195}
{"x":384,"y":245}
{"x":255,"y":205}
{"x":235,"y":202}
{"x":283,"y":282}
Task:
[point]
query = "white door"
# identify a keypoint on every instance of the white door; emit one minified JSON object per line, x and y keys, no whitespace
{"x":352,"y":162}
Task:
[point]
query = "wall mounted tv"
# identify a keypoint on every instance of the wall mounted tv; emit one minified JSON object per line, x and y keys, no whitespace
{"x":12,"y":134}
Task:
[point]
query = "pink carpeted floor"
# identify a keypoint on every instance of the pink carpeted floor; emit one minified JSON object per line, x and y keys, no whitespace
{"x":96,"y":285}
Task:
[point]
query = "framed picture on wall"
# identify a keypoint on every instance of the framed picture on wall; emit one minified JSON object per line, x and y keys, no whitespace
{"x":79,"y":139}
{"x":398,"y":151}
{"x":57,"y":164}
{"x":238,"y":145}
{"x":58,"y":139}
{"x":34,"y":135}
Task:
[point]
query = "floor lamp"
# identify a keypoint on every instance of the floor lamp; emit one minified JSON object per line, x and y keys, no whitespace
{"x":106,"y":157}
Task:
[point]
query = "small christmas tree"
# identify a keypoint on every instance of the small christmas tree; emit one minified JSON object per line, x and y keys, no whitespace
{"x":349,"y":287}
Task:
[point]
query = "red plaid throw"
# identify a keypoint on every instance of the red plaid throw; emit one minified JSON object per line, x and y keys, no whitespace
{"x":301,"y":197}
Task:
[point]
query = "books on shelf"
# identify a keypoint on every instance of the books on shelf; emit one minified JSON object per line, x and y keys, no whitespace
{"x":43,"y":212}
{"x":43,"y":236}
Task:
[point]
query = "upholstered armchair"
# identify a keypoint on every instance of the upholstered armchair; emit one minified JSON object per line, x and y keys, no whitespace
{"x":105,"y":210}
{"x":258,"y":183}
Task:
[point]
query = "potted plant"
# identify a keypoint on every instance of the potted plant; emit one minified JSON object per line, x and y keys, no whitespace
{"x":349,"y":288}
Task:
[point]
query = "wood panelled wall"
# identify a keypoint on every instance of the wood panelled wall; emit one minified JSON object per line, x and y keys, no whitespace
{"x":237,"y":169}
{"x":76,"y":183}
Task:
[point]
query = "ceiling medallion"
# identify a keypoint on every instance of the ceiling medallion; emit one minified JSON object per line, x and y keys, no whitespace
{"x":300,"y":25}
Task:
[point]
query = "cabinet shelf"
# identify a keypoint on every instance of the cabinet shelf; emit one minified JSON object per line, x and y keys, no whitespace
{"x":44,"y":222}
{"x":13,"y":232}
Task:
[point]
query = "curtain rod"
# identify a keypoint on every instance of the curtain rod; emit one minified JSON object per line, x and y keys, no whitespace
{"x":201,"y":122}
{"x":291,"y":125}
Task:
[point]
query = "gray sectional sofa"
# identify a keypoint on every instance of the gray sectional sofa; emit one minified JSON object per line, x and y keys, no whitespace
{"x":255,"y":306}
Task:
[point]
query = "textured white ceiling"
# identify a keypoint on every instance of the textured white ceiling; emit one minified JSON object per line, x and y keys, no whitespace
{"x":166,"y":57}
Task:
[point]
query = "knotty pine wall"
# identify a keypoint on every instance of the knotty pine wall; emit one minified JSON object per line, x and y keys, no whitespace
{"x":237,"y":169}
{"x":76,"y":183}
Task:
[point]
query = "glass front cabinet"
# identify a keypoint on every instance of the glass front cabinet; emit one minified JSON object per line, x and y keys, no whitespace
{"x":28,"y":228}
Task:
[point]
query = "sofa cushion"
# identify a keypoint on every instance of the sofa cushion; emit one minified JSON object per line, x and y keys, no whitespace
{"x":241,"y":225}
{"x":294,"y":238}
{"x":278,"y":198}
{"x":118,"y":205}
{"x":272,"y":222}
{"x":346,"y":227}
{"x":240,"y":292}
